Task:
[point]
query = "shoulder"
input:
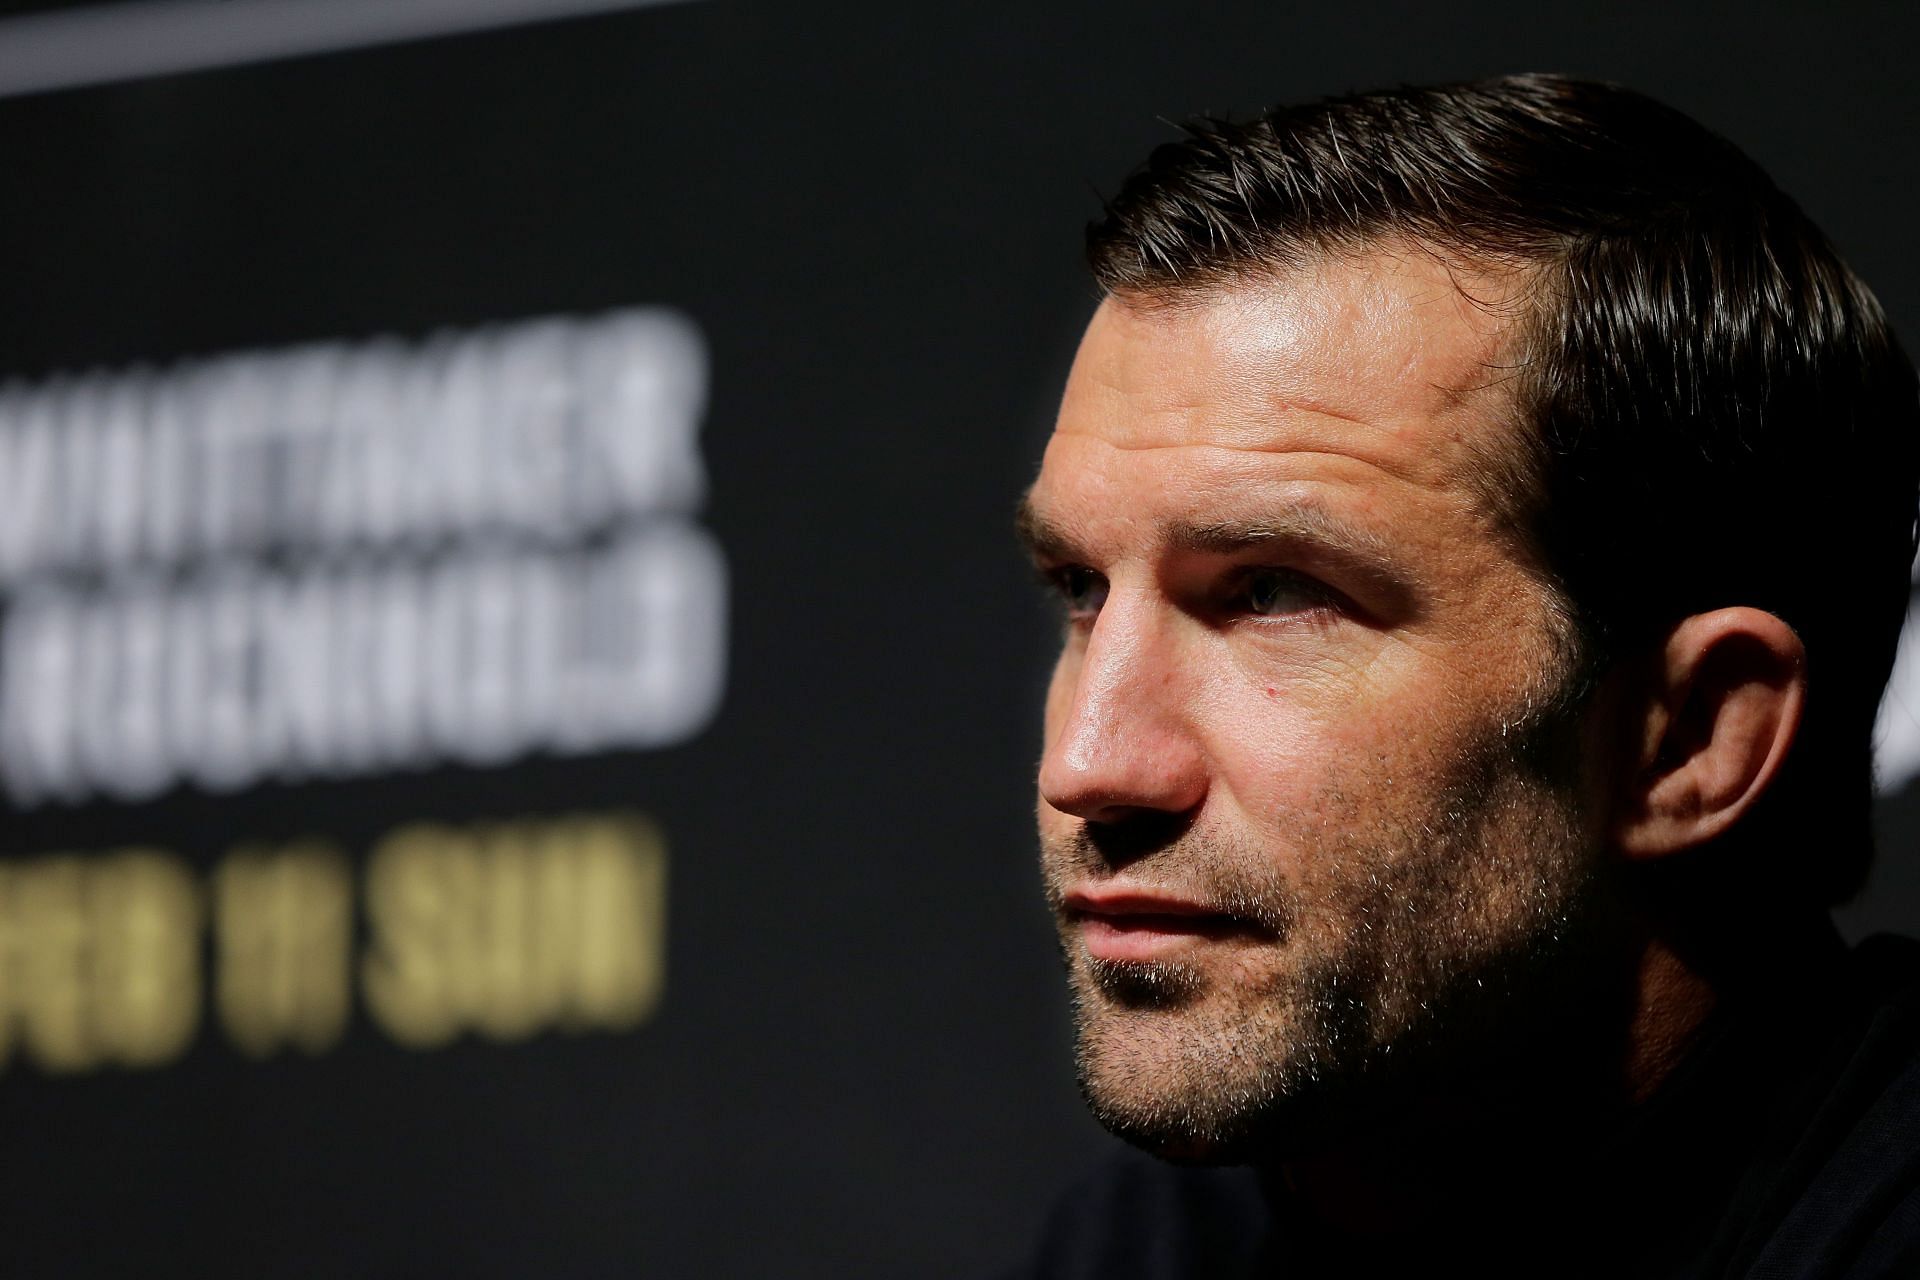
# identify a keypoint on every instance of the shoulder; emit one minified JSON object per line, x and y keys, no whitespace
{"x":1137,"y":1218}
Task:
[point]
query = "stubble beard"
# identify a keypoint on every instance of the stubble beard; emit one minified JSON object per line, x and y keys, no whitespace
{"x":1411,"y":935}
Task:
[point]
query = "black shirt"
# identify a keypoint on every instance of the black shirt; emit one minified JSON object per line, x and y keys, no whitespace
{"x":1786,"y":1145}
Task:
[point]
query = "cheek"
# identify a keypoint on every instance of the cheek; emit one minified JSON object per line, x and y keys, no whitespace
{"x":1288,"y":724}
{"x":1302,"y":755}
{"x":1272,"y":760}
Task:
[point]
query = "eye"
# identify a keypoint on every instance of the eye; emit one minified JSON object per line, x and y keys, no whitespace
{"x":1081,"y":591}
{"x":1272,"y":593}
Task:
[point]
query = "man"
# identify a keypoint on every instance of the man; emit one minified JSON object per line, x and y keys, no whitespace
{"x":1483,"y":518}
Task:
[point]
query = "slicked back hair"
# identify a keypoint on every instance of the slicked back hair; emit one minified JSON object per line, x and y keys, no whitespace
{"x":1715,"y":411}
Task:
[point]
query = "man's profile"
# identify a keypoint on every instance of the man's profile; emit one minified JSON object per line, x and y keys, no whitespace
{"x":1483,"y":517}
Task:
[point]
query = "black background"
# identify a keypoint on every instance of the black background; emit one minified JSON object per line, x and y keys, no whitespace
{"x":874,"y":212}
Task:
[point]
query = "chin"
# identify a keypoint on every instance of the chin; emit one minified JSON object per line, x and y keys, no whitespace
{"x":1168,"y":1082}
{"x":1214,"y":1120}
{"x":1170,"y":1127}
{"x":1200,"y":1071}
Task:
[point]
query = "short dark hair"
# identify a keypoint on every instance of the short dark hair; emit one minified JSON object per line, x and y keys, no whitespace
{"x":1720,"y":413}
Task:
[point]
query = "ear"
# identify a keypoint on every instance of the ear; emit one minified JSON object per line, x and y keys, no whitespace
{"x":1723,"y":707}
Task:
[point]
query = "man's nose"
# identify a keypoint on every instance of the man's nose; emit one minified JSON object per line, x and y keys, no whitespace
{"x":1125,"y":742}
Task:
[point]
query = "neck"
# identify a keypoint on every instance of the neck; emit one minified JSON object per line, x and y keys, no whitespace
{"x":1529,"y":1117}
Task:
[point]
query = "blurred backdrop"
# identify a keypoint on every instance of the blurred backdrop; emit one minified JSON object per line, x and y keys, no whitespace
{"x":517,"y":693}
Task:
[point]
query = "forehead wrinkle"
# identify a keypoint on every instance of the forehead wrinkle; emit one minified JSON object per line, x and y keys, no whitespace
{"x":1230,"y":401}
{"x":1472,"y":426}
{"x":1272,"y":421}
{"x":1406,"y":474}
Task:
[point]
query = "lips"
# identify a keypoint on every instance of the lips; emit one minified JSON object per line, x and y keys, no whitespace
{"x":1136,"y":925}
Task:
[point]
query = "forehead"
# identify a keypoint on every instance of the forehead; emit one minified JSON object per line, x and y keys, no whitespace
{"x":1390,"y":363}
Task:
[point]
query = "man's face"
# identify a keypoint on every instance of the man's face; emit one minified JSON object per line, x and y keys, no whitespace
{"x":1304,"y":800}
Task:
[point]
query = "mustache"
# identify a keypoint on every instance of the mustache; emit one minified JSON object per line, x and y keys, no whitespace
{"x":1227,"y":876}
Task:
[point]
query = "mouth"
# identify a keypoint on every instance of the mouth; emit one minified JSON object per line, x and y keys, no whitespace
{"x":1143,"y":926}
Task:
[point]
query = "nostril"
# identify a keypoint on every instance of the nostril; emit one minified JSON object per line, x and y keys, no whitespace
{"x":1133,"y":834}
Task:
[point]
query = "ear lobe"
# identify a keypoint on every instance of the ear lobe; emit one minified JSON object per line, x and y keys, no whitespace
{"x":1723,"y":710}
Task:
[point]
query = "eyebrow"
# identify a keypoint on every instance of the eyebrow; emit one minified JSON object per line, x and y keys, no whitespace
{"x":1306,"y":524}
{"x":1043,"y":539}
{"x":1307,"y":528}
